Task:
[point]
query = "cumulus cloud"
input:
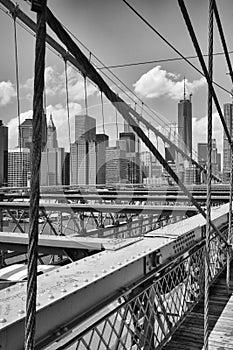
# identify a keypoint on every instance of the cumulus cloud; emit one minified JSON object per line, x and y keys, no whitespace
{"x":158,"y":82}
{"x":7,"y":91}
{"x":59,"y":114}
{"x":55,"y":84}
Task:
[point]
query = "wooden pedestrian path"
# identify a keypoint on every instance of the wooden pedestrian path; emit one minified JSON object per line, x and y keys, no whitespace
{"x":190,"y":336}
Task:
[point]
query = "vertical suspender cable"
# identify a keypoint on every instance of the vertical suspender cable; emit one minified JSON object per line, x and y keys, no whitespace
{"x":102,"y":110}
{"x":17,"y":93}
{"x":116,"y":125}
{"x":85,"y":94}
{"x":67,"y":100}
{"x":30,"y":320}
{"x":123,"y":108}
{"x":218,"y":21}
{"x":209,"y":170}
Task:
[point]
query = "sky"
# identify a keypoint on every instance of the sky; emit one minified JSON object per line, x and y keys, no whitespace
{"x":115,"y":35}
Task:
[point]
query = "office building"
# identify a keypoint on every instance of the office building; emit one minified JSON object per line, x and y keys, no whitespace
{"x":83,"y":151}
{"x":185,"y":125}
{"x":190,"y":175}
{"x":116,"y":165}
{"x":102,"y":142}
{"x":52,"y":159}
{"x":19,"y":167}
{"x":170,"y":154}
{"x":133,"y":157}
{"x":51,"y":135}
{"x":85,"y":128}
{"x":228,"y":116}
{"x":129,"y":138}
{"x":25,"y":133}
{"x":3,"y":154}
{"x":202,"y":153}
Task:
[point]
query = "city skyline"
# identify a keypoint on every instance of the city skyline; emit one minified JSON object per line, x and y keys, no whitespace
{"x":159,"y":84}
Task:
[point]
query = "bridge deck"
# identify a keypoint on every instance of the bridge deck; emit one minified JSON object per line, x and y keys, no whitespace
{"x":189,"y":335}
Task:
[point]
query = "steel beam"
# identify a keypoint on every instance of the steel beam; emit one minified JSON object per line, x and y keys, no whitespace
{"x":106,"y":208}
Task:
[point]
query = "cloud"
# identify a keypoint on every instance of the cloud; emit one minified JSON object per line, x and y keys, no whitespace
{"x":158,"y":82}
{"x":59,"y":114}
{"x":7,"y":91}
{"x":55,"y":84}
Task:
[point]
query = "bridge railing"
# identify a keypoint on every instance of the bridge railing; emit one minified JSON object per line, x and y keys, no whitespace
{"x":146,"y":315}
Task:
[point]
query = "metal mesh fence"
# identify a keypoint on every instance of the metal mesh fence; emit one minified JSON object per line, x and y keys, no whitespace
{"x":146,"y":317}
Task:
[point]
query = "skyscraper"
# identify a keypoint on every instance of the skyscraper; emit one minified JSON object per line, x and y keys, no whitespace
{"x":52,"y":159}
{"x":3,"y":154}
{"x":25,"y":134}
{"x":19,"y":167}
{"x":83,"y":151}
{"x":228,"y":115}
{"x":185,"y":125}
{"x":101,"y":145}
{"x":51,"y":134}
{"x":202,"y":151}
{"x":116,"y":165}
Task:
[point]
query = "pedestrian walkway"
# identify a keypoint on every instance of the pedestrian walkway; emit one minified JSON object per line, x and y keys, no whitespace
{"x":190,"y":335}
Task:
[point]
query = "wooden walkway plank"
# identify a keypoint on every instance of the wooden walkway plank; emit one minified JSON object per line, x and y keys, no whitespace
{"x":190,"y":335}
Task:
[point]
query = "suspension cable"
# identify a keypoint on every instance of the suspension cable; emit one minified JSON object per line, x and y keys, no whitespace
{"x":85,"y":94}
{"x":117,"y":131}
{"x":67,"y":101}
{"x":209,"y":171}
{"x":124,"y":109}
{"x":17,"y":88}
{"x":102,"y":110}
{"x":220,"y":29}
{"x":202,"y":62}
{"x":169,"y":44}
{"x":30,"y":320}
{"x":55,"y":45}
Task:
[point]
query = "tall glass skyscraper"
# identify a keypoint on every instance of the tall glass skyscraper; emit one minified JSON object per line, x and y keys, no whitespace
{"x":83,"y":152}
{"x":185,"y":125}
{"x":228,"y":115}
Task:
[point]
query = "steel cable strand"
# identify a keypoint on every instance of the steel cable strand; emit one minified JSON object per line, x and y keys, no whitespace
{"x":124,"y":109}
{"x":30,"y":320}
{"x":218,"y":21}
{"x":209,"y":170}
{"x":224,"y":44}
{"x":14,"y":14}
{"x":202,"y":62}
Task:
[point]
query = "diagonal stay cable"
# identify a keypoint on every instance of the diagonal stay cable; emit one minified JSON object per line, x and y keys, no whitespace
{"x":169,"y":44}
{"x":57,"y":47}
{"x":198,"y":51}
{"x":88,"y":69}
{"x":224,"y":44}
{"x":161,"y":60}
{"x":203,"y":65}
